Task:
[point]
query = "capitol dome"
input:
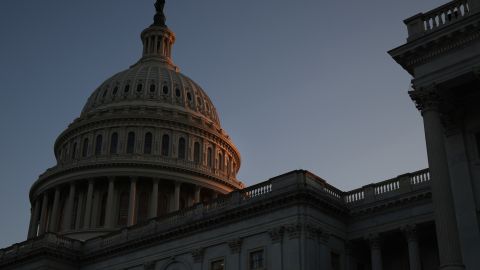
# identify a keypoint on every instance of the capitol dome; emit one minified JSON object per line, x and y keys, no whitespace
{"x":148,"y":142}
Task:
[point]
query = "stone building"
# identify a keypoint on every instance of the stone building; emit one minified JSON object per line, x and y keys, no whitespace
{"x":146,"y":177}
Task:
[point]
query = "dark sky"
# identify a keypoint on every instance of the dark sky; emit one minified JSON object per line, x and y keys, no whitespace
{"x":304,"y":84}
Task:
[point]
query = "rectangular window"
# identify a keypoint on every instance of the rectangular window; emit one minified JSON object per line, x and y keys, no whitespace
{"x":257,"y":260}
{"x":217,"y":265}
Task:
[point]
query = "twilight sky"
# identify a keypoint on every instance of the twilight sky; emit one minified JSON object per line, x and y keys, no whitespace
{"x":304,"y":84}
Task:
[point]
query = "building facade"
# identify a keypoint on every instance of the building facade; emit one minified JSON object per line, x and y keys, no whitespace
{"x":146,"y":177}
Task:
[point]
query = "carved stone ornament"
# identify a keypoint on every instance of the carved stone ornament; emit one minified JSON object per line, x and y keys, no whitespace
{"x":294,"y":230}
{"x":426,"y":98}
{"x":197,"y":255}
{"x":276,"y":234}
{"x":324,"y":236}
{"x":312,"y":231}
{"x":235,"y":245}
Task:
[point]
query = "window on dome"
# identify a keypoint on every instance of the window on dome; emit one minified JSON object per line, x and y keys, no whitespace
{"x":103,"y":210}
{"x":85,"y":148}
{"x":105,"y":93}
{"x":189,"y":96}
{"x":196,"y":152}
{"x":229,"y":166}
{"x":165,"y":145}
{"x":115,"y":90}
{"x":123,"y":208}
{"x":139,"y":87}
{"x":165,"y":89}
{"x":114,"y":143}
{"x":209,"y":157}
{"x":177,"y":92}
{"x":127,"y":88}
{"x":181,"y":148}
{"x":152,"y":88}
{"x":147,"y":147}
{"x":130,"y":142}
{"x":220,"y":161}
{"x":74,"y":150}
{"x":98,"y":145}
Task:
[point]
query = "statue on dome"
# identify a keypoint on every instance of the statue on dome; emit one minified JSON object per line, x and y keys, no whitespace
{"x":159,"y":18}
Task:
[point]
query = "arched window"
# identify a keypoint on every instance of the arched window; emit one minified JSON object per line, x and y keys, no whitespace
{"x":130,"y":142}
{"x":115,"y":90}
{"x":139,"y":87}
{"x":165,"y":145}
{"x":98,"y":145}
{"x":152,"y":88}
{"x":209,"y":157}
{"x":147,"y":147}
{"x":181,"y":148}
{"x":114,"y":143}
{"x":127,"y":88}
{"x":220,"y":161}
{"x":85,"y":147}
{"x":74,"y":150}
{"x":196,"y":152}
{"x":177,"y":92}
{"x":123,"y":208}
{"x":165,"y":89}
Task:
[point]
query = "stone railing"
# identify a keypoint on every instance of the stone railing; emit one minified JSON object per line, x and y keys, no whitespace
{"x":401,"y":184}
{"x":437,"y":18}
{"x":48,"y":240}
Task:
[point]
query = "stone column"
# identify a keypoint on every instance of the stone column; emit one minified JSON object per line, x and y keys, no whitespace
{"x":197,"y":255}
{"x":428,"y":102}
{"x":32,"y":230}
{"x":43,"y":214}
{"x":413,"y":249}
{"x":176,"y":197}
{"x":154,"y":199}
{"x":79,"y":217}
{"x":235,"y":246}
{"x":52,"y":227}
{"x":198,"y":189}
{"x":109,"y":208}
{"x":376,"y":252}
{"x":132,"y":202}
{"x":67,"y":221}
{"x":276,"y":235}
{"x":88,"y":205}
{"x":325,"y":262}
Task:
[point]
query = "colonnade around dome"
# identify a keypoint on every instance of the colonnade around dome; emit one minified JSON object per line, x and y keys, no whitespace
{"x":86,"y":208}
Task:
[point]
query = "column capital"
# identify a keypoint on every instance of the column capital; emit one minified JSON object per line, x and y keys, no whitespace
{"x":91,"y":181}
{"x":134,"y":178}
{"x":235,"y":245}
{"x":426,"y":98}
{"x":197,"y":255}
{"x":111,"y":178}
{"x":276,"y":234}
{"x":374,"y":240}
{"x":294,"y":230}
{"x":410,"y":232}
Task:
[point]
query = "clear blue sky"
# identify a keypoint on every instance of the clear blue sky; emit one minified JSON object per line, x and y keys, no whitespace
{"x":303,"y":84}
